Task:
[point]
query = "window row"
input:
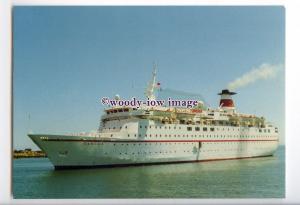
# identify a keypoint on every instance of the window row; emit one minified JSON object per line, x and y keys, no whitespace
{"x":190,"y":128}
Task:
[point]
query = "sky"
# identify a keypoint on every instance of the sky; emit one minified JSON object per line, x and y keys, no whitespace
{"x":65,"y":59}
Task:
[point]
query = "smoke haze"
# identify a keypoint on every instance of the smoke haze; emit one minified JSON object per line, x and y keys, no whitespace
{"x":263,"y":72}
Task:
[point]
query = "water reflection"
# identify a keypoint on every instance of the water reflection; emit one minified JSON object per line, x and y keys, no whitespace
{"x":255,"y":177}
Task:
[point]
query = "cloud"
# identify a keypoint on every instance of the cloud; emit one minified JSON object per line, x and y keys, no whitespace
{"x":263,"y":72}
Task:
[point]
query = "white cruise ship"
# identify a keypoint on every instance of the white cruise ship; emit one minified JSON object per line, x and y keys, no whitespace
{"x":160,"y":134}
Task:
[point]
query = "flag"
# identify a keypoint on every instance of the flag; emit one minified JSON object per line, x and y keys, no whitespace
{"x":158,"y":86}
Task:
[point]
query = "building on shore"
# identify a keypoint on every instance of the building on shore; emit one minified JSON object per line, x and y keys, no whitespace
{"x":28,"y":153}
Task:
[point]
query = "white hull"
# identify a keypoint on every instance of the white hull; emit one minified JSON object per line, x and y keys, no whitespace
{"x":75,"y":151}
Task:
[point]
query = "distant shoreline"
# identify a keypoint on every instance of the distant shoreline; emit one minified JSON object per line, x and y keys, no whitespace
{"x":28,"y":153}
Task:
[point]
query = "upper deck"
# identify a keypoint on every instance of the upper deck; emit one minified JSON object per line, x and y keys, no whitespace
{"x":173,"y":115}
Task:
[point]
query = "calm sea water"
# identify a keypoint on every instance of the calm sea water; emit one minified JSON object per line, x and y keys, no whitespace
{"x":247,"y":178}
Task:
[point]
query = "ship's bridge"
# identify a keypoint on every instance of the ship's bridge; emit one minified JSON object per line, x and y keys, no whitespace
{"x":121,"y":113}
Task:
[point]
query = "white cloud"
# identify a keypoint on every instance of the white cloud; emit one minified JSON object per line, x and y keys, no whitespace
{"x":263,"y":72}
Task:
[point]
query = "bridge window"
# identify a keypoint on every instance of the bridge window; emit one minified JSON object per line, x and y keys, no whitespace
{"x":204,"y":128}
{"x":189,"y":128}
{"x":197,"y":128}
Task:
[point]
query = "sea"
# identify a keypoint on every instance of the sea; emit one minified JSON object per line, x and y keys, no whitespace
{"x":35,"y":178}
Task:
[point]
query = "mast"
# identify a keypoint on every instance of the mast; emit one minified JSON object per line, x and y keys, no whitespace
{"x":149,"y":92}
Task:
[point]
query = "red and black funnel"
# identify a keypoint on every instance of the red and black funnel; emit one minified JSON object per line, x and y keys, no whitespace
{"x":226,"y":100}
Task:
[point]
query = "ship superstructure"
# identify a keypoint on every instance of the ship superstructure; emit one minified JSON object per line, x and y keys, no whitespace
{"x":151,"y":135}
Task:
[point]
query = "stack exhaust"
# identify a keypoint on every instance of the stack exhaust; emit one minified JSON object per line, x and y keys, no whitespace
{"x":226,"y":101}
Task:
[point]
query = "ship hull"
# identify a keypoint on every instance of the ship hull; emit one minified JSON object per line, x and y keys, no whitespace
{"x":63,"y":167}
{"x":66,"y":152}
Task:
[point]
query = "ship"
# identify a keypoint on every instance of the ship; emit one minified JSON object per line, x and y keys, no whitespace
{"x":149,"y":135}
